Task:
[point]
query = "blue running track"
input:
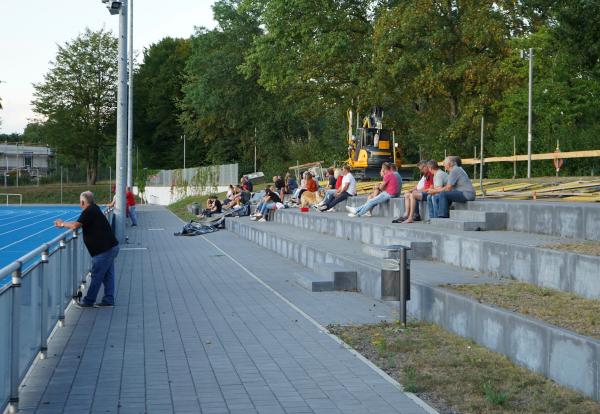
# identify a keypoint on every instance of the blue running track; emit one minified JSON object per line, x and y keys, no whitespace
{"x":23,"y":229}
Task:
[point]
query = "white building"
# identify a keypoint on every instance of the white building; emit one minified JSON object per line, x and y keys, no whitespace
{"x":35,"y":159}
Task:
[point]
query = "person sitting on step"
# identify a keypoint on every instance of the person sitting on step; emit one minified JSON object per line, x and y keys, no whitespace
{"x":389,"y":188}
{"x":411,"y":208}
{"x":458,"y":189}
{"x":268,"y":203}
{"x":440,"y":179}
{"x":213,"y":206}
{"x":332,"y":187}
{"x":347,"y":189}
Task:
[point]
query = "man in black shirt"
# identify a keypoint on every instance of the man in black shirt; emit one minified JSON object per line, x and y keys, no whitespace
{"x":103,"y":247}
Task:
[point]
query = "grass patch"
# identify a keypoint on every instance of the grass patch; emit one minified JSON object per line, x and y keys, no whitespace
{"x":455,"y":375}
{"x":180,"y":207}
{"x":50,"y":193}
{"x":563,"y":309}
{"x":591,"y":248}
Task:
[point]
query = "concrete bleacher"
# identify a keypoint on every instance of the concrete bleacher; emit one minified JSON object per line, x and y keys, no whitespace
{"x":456,"y":254}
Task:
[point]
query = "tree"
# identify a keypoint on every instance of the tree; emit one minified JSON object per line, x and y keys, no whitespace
{"x":157,"y":93}
{"x":78,"y":98}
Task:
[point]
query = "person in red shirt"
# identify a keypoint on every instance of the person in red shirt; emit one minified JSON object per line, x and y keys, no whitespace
{"x":130,"y":203}
{"x":389,"y":188}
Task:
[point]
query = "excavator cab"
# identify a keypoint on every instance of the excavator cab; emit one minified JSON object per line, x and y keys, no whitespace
{"x":371,"y":145}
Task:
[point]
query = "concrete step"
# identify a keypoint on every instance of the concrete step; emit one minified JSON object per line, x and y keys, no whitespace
{"x":418,"y":250}
{"x":493,"y":220}
{"x":458,"y":224}
{"x":516,"y":255}
{"x":313,"y":282}
{"x":570,"y":359}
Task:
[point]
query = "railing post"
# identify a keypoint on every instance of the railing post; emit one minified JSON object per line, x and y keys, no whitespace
{"x":395,"y":280}
{"x":44,"y":308}
{"x":74,"y":248}
{"x":62,"y":245}
{"x":15,"y":349}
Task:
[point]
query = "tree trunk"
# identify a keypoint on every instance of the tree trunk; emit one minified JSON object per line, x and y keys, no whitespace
{"x":92,"y":166}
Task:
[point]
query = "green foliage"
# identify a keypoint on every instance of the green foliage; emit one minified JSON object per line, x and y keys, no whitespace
{"x":78,"y":99}
{"x":493,"y":396}
{"x":157,"y":91}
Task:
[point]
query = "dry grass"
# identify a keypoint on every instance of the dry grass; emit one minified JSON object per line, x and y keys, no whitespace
{"x":591,"y":248}
{"x":454,"y":375}
{"x":563,"y":309}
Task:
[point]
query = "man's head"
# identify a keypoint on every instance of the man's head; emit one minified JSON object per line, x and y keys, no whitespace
{"x":128,"y":189}
{"x":449,"y":162}
{"x":86,"y":199}
{"x":432,"y":165}
{"x":330,"y":171}
{"x":457,"y":160}
{"x":422,"y":166}
{"x":393,"y":167}
{"x":345,"y":169}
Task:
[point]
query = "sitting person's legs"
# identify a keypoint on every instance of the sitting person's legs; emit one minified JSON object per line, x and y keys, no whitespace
{"x":335,"y":200}
{"x":329,"y":194}
{"x":381,"y":198}
{"x":445,"y":200}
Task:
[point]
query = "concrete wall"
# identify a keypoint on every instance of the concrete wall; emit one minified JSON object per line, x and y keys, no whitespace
{"x":568,"y":358}
{"x":499,"y":255}
{"x":164,"y":196}
{"x":571,"y":220}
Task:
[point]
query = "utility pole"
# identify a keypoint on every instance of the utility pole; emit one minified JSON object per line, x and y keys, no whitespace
{"x":482,"y":155}
{"x":130,"y":102}
{"x":255,"y":141}
{"x":530,"y":113}
{"x":121,"y":168}
{"x":183,"y":138}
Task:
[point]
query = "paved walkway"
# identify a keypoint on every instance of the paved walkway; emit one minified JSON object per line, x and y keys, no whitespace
{"x":209,"y":325}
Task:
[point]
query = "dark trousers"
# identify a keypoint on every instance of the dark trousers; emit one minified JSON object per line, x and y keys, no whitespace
{"x":103,"y":273}
{"x":332,"y":202}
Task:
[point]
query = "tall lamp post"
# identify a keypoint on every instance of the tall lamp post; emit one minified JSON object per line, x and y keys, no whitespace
{"x":120,"y":8}
{"x":130,"y":101}
{"x":529,"y":110}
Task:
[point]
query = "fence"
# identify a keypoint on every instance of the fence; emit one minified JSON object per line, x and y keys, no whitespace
{"x":41,"y":285}
{"x":211,"y":176}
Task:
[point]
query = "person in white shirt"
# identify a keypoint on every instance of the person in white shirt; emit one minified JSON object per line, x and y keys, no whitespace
{"x":347,"y":189}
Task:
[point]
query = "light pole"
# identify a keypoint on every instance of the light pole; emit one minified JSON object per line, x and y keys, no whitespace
{"x":529,"y":111}
{"x":120,"y":8}
{"x":130,"y":101}
{"x":183,"y":138}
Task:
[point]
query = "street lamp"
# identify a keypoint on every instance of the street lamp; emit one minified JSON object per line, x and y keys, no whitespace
{"x":120,"y":8}
{"x":529,"y":109}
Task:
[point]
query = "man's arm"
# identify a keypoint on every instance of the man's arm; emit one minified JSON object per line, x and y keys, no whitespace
{"x":71,"y":225}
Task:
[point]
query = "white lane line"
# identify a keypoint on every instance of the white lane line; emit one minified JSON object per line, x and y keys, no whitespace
{"x":133,"y":248}
{"x":31,"y":235}
{"x":24,"y":217}
{"x":50,"y":217}
{"x":156,"y":229}
{"x":374,"y":367}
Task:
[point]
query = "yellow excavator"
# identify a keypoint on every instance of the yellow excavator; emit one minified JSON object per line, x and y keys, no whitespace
{"x":370,"y":145}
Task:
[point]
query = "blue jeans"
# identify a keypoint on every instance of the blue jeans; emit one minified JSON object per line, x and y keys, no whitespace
{"x":103,"y":273}
{"x":269,"y":205}
{"x":381,"y":198}
{"x":133,"y":215}
{"x":445,"y":199}
{"x":329,"y":196}
{"x":433,"y":202}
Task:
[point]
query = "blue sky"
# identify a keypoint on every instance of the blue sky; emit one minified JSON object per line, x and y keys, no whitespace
{"x":31,"y":29}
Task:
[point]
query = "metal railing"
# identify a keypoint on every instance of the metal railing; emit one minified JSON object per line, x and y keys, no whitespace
{"x":43,"y":284}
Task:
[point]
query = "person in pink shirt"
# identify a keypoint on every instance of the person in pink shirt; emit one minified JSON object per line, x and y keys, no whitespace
{"x":390,"y":187}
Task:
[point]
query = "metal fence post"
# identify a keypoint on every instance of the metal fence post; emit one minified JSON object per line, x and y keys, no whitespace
{"x":44,"y":308}
{"x":15,"y":349}
{"x":74,"y":265}
{"x":62,"y":245}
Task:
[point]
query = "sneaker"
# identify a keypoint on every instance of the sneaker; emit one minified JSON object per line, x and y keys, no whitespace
{"x":83,"y":305}
{"x":368,"y":214}
{"x":351,"y":209}
{"x":262,"y":220}
{"x":331,"y":210}
{"x":352,"y":215}
{"x":254,"y":218}
{"x":399,"y":220}
{"x":104,"y":305}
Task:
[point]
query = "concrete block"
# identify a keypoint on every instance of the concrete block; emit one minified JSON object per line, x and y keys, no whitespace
{"x":592,"y":223}
{"x":456,"y":224}
{"x":313,"y":282}
{"x":490,"y":329}
{"x":529,"y":345}
{"x":573,"y":362}
{"x":569,"y":221}
{"x":551,"y":266}
{"x":450,"y":249}
{"x":495,"y":259}
{"x":586,"y":280}
{"x":521,"y":264}
{"x":471,"y":254}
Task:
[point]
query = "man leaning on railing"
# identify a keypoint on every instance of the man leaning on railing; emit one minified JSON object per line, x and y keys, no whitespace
{"x":103,"y":247}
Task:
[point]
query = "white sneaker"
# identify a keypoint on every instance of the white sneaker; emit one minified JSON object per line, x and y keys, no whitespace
{"x":368,"y":214}
{"x":331,"y":210}
{"x":262,"y":220}
{"x":351,"y":209}
{"x":254,"y":218}
{"x":352,"y":215}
